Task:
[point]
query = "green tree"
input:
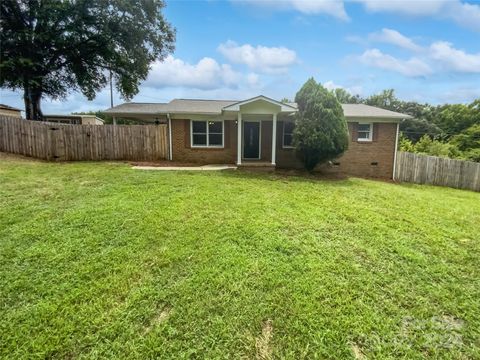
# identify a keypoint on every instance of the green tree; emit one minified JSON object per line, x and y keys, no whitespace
{"x":49,"y":48}
{"x":415,"y":128}
{"x":454,"y":118}
{"x":468,"y":139}
{"x":473,"y":155}
{"x":385,"y":100}
{"x":426,"y":145}
{"x":321,"y":132}
{"x":344,"y":97}
{"x":405,"y":144}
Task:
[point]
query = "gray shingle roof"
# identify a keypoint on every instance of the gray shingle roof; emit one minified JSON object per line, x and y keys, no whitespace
{"x":362,"y":110}
{"x":194,"y":106}
{"x":8,"y":107}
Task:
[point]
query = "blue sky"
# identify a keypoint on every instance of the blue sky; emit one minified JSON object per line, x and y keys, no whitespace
{"x":428,"y":51}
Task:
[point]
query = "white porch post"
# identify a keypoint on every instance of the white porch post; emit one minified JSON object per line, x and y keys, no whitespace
{"x":239,"y":138}
{"x":274,"y":138}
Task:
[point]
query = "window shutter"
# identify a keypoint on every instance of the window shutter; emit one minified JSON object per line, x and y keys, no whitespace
{"x":226,"y":134}
{"x":375,"y":132}
{"x":354,"y":131}
{"x":187,"y":133}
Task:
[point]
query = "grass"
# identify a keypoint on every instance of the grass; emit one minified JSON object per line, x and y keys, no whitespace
{"x":98,"y":260}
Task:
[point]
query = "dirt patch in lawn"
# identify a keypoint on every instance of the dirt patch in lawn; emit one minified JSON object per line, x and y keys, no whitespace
{"x":357,"y":351}
{"x":262,"y":343}
{"x":160,"y":317}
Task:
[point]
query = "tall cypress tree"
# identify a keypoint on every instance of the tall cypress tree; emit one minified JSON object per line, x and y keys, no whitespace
{"x":321,"y":131}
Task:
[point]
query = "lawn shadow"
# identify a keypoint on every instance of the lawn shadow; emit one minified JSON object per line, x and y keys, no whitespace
{"x":301,"y":176}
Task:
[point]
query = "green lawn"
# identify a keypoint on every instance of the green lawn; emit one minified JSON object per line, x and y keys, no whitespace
{"x":98,"y":260}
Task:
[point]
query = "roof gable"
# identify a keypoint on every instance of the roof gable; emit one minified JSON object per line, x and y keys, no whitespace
{"x":282,"y":107}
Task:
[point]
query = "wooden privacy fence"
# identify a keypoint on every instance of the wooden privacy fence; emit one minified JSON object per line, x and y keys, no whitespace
{"x":423,"y":169}
{"x":83,"y":142}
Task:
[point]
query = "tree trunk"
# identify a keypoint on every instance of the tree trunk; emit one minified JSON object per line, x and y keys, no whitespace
{"x":32,"y":96}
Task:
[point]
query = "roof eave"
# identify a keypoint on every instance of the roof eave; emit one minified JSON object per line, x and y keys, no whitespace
{"x":377,"y":118}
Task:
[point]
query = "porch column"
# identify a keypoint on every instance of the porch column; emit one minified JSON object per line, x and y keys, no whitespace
{"x":274,"y":138}
{"x":239,"y":138}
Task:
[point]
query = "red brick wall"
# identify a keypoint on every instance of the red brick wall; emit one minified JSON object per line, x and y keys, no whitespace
{"x":356,"y":161}
{"x":182,"y":151}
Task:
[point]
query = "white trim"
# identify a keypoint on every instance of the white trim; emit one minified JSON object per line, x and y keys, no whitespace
{"x":283,"y":136}
{"x":395,"y":152}
{"x":206,"y":134}
{"x":283,"y":107}
{"x":259,"y":140}
{"x":170,"y":147}
{"x":239,"y":138}
{"x":370,"y":133}
{"x":274,"y":138}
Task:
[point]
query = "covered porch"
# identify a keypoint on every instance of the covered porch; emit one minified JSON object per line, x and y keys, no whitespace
{"x":257,"y":123}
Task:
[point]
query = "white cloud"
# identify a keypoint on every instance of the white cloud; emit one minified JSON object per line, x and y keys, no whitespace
{"x":330,"y":7}
{"x":416,"y":8}
{"x":253,"y":79}
{"x":206,"y":74}
{"x":260,"y":58}
{"x":412,"y":67}
{"x":353,"y":90}
{"x":333,"y":8}
{"x":393,"y":37}
{"x":330,"y":85}
{"x":467,"y":15}
{"x":455,"y":59}
{"x":464,"y":14}
{"x":458,"y":94}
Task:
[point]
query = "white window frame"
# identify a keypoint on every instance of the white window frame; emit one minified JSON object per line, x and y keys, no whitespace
{"x":370,"y":133}
{"x":283,"y":136}
{"x":207,"y":135}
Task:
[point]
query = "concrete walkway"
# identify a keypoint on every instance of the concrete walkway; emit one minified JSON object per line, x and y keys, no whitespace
{"x":187,"y":168}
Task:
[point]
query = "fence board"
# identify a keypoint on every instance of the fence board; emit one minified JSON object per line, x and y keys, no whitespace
{"x":424,"y":169}
{"x":60,"y":142}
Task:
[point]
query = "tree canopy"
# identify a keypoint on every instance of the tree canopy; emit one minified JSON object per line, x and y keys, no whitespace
{"x":321,"y":132}
{"x":50,"y":48}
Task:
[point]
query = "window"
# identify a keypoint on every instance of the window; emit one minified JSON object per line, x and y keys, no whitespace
{"x":364,"y":132}
{"x":207,"y":133}
{"x":288,"y":127}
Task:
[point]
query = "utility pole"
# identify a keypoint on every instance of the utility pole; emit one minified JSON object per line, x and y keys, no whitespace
{"x":111,"y":89}
{"x":111,"y":96}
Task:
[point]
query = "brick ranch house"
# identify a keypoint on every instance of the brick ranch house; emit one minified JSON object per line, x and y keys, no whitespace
{"x":258,"y":132}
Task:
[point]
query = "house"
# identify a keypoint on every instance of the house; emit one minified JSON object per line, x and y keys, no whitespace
{"x":73,"y":119}
{"x":258,"y":131}
{"x":6,"y":110}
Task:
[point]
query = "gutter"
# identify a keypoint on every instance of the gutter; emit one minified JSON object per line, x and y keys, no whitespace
{"x":170,"y":147}
{"x":395,"y":152}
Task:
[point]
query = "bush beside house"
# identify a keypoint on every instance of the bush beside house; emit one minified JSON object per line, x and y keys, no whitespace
{"x":321,"y":131}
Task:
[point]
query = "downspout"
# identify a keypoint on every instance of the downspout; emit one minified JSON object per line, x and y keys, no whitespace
{"x":170,"y":147}
{"x":395,"y":152}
